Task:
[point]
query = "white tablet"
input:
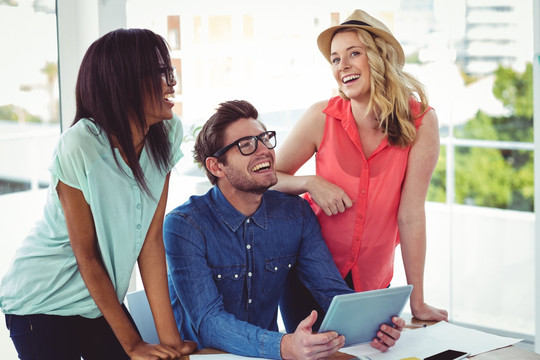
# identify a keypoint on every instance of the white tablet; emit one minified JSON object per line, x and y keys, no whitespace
{"x":359,"y":316}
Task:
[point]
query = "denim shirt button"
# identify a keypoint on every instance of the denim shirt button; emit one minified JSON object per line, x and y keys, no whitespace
{"x":248,"y":220}
{"x":275,"y":268}
{"x":249,"y":301}
{"x":289,"y":266}
{"x":250,"y":274}
{"x":248,"y":246}
{"x":236,"y":276}
{"x":219,"y":276}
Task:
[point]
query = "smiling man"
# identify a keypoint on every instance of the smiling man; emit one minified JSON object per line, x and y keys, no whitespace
{"x":230,"y":250}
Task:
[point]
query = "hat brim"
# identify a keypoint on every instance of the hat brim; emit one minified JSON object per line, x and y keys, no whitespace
{"x":324,"y":40}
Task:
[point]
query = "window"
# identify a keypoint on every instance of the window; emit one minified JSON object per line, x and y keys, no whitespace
{"x":29,"y":116}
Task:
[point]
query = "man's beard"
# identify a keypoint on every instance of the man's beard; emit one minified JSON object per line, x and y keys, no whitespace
{"x":244,"y":183}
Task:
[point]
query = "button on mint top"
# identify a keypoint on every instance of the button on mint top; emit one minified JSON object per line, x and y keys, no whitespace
{"x":44,"y":277}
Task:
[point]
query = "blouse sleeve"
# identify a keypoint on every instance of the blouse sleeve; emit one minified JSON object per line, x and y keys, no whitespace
{"x":70,"y":162}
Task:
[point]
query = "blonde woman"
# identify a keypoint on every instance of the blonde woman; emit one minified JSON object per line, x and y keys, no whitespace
{"x":376,"y":147}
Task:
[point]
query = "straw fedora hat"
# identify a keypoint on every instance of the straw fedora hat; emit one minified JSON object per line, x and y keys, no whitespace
{"x":361,"y":20}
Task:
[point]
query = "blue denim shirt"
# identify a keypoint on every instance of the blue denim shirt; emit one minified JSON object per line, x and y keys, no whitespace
{"x":226,"y":270}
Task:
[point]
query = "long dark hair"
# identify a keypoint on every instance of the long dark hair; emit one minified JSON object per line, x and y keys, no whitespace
{"x":118,"y":72}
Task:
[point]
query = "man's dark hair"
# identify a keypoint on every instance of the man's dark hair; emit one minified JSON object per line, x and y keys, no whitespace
{"x":210,"y":138}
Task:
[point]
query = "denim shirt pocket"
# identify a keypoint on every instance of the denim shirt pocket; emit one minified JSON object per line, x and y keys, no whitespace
{"x":276,"y":271}
{"x":230,"y":282}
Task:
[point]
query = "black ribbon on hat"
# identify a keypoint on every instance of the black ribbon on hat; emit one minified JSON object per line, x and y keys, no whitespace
{"x":355,"y":22}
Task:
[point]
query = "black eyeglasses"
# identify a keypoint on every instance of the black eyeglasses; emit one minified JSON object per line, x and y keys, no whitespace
{"x":170,"y":75}
{"x":248,"y":144}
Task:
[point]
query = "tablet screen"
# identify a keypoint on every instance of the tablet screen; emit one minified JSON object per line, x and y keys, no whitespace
{"x":359,"y":316}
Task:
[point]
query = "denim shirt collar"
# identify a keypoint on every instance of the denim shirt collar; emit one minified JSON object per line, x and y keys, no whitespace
{"x":232,"y":217}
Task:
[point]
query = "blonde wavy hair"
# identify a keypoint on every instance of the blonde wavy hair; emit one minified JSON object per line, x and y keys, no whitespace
{"x":391,"y":90}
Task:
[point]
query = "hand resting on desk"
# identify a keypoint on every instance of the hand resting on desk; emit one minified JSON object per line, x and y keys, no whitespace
{"x":303,"y":344}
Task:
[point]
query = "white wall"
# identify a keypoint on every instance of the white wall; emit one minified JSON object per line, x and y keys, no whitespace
{"x":79,"y":24}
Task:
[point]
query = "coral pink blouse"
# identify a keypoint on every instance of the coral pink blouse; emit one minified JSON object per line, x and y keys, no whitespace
{"x":363,"y":238}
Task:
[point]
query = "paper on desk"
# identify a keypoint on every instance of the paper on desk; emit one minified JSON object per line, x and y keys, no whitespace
{"x":220,"y":357}
{"x":430,"y":340}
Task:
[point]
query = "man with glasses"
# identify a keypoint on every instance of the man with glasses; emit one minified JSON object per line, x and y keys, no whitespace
{"x":230,"y":250}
